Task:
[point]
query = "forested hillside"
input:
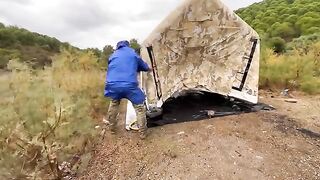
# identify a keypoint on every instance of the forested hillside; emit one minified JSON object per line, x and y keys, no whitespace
{"x":282,"y":21}
{"x":290,"y":33}
{"x":37,"y":50}
{"x":27,"y":46}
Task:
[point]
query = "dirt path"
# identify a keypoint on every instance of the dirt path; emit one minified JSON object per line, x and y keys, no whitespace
{"x":306,"y":111}
{"x":263,"y":145}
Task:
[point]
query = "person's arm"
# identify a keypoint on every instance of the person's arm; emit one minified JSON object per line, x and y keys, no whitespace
{"x":142,"y":66}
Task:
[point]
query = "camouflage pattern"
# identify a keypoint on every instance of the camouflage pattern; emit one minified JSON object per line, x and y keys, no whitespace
{"x":112,"y":114}
{"x":140,"y":112}
{"x":202,"y":45}
{"x":141,"y":117}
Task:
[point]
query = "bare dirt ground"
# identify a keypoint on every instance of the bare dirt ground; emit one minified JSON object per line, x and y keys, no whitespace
{"x":282,"y":144}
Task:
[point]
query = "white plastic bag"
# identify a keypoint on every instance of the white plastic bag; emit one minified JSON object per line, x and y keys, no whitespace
{"x":131,"y":118}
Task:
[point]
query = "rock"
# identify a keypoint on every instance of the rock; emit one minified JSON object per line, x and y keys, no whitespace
{"x":209,"y":126}
{"x":259,"y":157}
{"x":180,"y":133}
{"x":291,"y":100}
{"x":285,"y":92}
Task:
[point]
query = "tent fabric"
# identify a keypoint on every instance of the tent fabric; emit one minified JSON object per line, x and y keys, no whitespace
{"x":202,"y":45}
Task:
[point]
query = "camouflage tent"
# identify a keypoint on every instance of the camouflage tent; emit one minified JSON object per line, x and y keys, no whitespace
{"x":202,"y":45}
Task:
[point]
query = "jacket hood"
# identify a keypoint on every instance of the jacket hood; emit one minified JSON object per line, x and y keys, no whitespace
{"x":121,"y":44}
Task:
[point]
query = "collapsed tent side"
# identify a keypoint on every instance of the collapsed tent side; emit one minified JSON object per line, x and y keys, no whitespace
{"x":202,"y":45}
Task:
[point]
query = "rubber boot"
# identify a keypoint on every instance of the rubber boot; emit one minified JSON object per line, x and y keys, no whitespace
{"x":112,"y":115}
{"x":141,"y":120}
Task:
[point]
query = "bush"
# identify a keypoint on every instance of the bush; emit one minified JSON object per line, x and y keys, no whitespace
{"x":304,"y":43}
{"x":293,"y":70}
{"x":48,"y":116}
{"x":6,"y":56}
{"x":278,"y":44}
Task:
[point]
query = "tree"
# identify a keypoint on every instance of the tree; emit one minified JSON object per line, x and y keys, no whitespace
{"x":95,"y":51}
{"x":282,"y":20}
{"x":2,"y":25}
{"x":278,"y":44}
{"x":305,"y":23}
{"x":284,"y":30}
{"x":303,"y":43}
{"x":107,"y":51}
{"x":135,"y":45}
{"x":290,"y":1}
{"x":313,"y":30}
{"x":7,"y":38}
{"x":291,"y":19}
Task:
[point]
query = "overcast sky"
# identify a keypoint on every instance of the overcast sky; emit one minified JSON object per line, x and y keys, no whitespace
{"x":92,"y":23}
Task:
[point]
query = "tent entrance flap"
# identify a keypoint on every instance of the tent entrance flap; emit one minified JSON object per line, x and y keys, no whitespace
{"x":202,"y":43}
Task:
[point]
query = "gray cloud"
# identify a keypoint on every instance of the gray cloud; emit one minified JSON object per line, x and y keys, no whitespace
{"x":156,"y":9}
{"x":93,"y":23}
{"x":85,"y":16}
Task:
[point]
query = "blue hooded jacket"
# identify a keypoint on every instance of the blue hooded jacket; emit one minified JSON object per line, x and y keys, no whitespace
{"x":124,"y":65}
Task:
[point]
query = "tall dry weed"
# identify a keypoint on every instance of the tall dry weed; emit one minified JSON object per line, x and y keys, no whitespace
{"x":48,"y":116}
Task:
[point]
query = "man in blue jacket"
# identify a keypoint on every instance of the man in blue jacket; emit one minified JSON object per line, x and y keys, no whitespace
{"x":121,"y":82}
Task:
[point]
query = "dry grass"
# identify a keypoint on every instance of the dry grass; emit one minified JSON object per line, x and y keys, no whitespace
{"x":294,"y":70}
{"x":48,"y":116}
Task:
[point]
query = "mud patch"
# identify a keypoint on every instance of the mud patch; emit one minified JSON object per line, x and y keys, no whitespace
{"x":288,"y":125}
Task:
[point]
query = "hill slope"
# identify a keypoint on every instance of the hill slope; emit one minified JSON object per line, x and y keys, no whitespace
{"x":28,"y":46}
{"x":281,"y":21}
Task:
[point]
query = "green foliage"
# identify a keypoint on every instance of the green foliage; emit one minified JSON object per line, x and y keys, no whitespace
{"x":104,"y":56}
{"x":286,"y":19}
{"x":304,"y":43}
{"x":290,"y":33}
{"x":27,"y":46}
{"x":135,"y":45}
{"x":47,"y":116}
{"x":284,"y":30}
{"x":107,"y":51}
{"x":278,"y":44}
{"x":12,"y":37}
{"x":95,"y":51}
{"x":295,"y":71}
{"x":6,"y":55}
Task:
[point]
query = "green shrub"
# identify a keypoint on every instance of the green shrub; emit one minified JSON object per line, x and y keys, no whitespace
{"x":278,"y":44}
{"x":294,"y":70}
{"x":304,"y":43}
